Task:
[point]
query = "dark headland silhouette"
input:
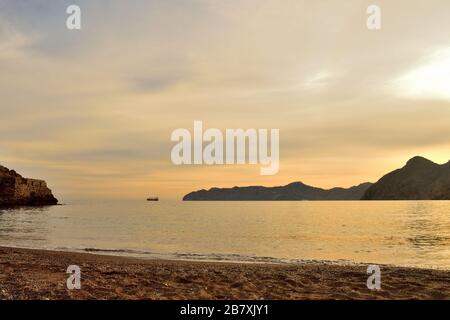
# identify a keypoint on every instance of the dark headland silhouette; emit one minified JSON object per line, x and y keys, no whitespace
{"x":293,"y":191}
{"x":419,"y":179}
{"x":16,"y":190}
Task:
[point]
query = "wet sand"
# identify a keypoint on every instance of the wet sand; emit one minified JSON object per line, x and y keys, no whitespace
{"x":38,"y":274}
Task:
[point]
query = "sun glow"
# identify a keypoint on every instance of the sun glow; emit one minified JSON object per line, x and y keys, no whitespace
{"x":431,"y":80}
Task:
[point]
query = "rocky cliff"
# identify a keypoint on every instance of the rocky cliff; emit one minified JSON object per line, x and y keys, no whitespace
{"x":291,"y":192}
{"x":419,"y":179}
{"x":16,"y":190}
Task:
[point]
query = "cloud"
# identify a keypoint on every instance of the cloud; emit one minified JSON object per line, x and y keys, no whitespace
{"x":166,"y":79}
{"x":431,"y":80}
{"x":13,"y":44}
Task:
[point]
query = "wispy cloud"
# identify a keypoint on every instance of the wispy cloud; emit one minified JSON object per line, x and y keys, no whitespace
{"x":13,"y":43}
{"x":430,"y":80}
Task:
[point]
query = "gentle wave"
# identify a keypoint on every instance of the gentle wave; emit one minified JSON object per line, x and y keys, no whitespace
{"x":229,"y":258}
{"x":195,"y":256}
{"x":211,"y":257}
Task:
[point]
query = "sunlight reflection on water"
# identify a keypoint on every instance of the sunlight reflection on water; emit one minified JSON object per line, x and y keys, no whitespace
{"x":415,"y":233}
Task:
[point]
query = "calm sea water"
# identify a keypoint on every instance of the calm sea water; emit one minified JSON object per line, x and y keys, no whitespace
{"x":393,"y":232}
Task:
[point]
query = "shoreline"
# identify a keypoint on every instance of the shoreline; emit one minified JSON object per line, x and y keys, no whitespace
{"x":41,"y":274}
{"x":196,"y":257}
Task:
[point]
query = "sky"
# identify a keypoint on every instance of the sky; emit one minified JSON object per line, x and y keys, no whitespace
{"x":91,"y":111}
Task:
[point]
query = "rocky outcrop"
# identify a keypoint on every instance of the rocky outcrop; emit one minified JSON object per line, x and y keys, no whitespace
{"x":419,"y":179}
{"x":291,"y":192}
{"x":16,"y":190}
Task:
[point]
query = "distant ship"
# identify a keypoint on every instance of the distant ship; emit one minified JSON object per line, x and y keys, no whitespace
{"x":153,"y":199}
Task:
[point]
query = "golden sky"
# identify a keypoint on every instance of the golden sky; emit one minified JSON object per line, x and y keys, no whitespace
{"x":91,"y":111}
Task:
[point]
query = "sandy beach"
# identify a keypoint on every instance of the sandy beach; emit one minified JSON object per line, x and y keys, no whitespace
{"x":38,"y":274}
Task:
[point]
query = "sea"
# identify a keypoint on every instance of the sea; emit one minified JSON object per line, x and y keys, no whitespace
{"x":402,"y":233}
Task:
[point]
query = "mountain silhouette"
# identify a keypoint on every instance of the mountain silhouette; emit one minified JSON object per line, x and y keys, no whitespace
{"x":419,"y":179}
{"x":292,"y":191}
